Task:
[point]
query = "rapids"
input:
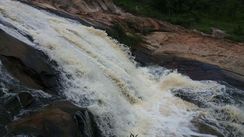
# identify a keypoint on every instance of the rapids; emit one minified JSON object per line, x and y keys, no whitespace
{"x":98,"y":73}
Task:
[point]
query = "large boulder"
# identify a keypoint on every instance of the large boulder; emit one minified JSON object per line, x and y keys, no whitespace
{"x":30,"y":66}
{"x":59,"y":119}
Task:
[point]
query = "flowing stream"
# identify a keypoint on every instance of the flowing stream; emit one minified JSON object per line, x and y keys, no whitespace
{"x":98,"y":73}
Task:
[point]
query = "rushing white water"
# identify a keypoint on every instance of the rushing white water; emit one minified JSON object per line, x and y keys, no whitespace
{"x":98,"y":73}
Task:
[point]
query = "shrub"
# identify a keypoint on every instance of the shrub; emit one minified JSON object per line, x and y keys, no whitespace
{"x":128,"y":38}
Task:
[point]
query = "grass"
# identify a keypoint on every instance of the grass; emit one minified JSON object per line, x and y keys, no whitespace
{"x":234,"y":30}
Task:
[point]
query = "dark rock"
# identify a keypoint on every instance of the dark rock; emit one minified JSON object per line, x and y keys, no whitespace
{"x":30,"y":66}
{"x":25,"y":99}
{"x":59,"y":119}
{"x":21,"y":72}
{"x":86,"y":124}
{"x":12,"y":105}
{"x":195,"y":98}
{"x":4,"y":116}
{"x":209,"y":98}
{"x":1,"y":92}
{"x":15,"y":103}
{"x":3,"y":130}
{"x":207,"y":128}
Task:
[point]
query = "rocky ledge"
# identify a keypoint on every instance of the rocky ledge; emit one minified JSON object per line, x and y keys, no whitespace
{"x":159,"y":42}
{"x":217,"y":59}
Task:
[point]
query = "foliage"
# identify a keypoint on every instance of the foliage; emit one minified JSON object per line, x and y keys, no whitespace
{"x":227,"y":15}
{"x":129,"y":38}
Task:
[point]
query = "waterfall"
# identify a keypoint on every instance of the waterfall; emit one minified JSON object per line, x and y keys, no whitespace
{"x":98,"y":73}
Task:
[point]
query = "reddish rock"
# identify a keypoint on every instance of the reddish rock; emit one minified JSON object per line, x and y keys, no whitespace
{"x":161,"y":41}
{"x":166,"y":46}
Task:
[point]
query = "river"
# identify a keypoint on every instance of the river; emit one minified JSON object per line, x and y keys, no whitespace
{"x":99,"y":73}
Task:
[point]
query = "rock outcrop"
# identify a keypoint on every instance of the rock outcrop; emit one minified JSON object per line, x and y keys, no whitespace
{"x":162,"y":42}
{"x":30,"y":66}
{"x":31,"y":100}
{"x":167,"y":47}
{"x":59,"y":119}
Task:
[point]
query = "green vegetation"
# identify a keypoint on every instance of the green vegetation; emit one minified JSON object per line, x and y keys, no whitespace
{"x":129,"y":38}
{"x":202,"y":15}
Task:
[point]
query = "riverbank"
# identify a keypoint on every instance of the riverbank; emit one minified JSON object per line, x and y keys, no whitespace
{"x":157,"y":42}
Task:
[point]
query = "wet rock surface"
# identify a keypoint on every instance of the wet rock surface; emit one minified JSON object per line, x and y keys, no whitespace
{"x":221,"y":110}
{"x":225,"y":95}
{"x":31,"y":67}
{"x":59,"y":119}
{"x":31,"y":101}
{"x":204,"y":127}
